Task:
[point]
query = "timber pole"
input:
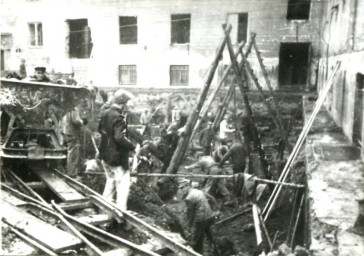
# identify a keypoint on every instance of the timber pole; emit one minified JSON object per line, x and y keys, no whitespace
{"x":191,"y":122}
{"x":270,"y":88}
{"x":276,"y":120}
{"x":207,"y":106}
{"x":253,"y":128}
{"x":287,"y":168}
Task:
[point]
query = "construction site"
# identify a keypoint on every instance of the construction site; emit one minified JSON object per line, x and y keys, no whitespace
{"x":182,"y":127}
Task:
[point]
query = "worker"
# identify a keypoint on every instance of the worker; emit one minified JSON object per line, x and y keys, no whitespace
{"x":240,"y":160}
{"x":145,"y":119}
{"x":22,"y":69}
{"x":72,"y":125}
{"x":224,"y":130}
{"x":40,"y":75}
{"x":70,"y":80}
{"x":200,"y":216}
{"x":114,"y":149}
{"x":206,"y":138}
{"x":210,"y":165}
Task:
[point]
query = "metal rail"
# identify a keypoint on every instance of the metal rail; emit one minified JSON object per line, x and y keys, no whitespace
{"x":126,"y":216}
{"x":84,"y":227}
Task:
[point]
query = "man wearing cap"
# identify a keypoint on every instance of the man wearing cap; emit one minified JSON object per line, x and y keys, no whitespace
{"x":200,"y":216}
{"x":40,"y":75}
{"x":210,"y":165}
{"x":114,"y":149}
{"x":240,"y":160}
{"x":206,"y":138}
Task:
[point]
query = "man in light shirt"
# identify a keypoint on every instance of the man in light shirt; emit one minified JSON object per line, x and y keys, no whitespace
{"x":224,"y":130}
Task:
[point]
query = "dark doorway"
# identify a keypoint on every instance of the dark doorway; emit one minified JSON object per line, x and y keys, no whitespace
{"x":80,"y":43}
{"x":358,"y":110}
{"x":2,"y":61}
{"x":293,"y":63}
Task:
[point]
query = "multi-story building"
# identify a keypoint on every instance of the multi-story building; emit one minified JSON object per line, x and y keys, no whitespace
{"x":160,"y":43}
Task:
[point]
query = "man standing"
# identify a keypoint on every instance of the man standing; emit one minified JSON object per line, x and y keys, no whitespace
{"x":145,"y":119}
{"x":114,"y":149}
{"x":200,"y":216}
{"x":224,"y":130}
{"x":240,"y":160}
{"x":206,"y":138}
{"x":72,"y":130}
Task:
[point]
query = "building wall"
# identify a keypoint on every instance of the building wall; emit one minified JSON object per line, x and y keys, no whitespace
{"x":154,"y":53}
{"x":343,"y":33}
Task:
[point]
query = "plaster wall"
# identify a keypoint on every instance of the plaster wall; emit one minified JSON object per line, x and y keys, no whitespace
{"x":154,"y":53}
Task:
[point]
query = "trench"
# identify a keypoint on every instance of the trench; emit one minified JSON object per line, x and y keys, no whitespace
{"x":237,"y":235}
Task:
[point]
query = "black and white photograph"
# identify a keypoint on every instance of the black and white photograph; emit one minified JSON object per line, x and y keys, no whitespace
{"x":182,"y":127}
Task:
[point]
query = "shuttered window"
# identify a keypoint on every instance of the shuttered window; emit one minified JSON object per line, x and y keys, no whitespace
{"x":127,"y":75}
{"x":35,"y":34}
{"x":179,"y":74}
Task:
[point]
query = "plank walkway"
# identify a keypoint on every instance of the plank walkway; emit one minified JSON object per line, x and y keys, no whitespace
{"x":59,"y":186}
{"x":46,"y":234}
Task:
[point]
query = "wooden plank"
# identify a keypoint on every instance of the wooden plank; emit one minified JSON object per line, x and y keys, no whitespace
{"x":117,"y":252}
{"x":58,"y":186}
{"x":96,"y":219}
{"x":46,"y":234}
{"x":295,"y":152}
{"x":67,"y":206}
{"x":6,"y":196}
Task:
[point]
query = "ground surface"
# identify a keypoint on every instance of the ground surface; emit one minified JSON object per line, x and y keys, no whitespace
{"x":239,"y":231}
{"x":335,"y":177}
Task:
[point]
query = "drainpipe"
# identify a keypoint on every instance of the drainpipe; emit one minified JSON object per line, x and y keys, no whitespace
{"x":353,"y":25}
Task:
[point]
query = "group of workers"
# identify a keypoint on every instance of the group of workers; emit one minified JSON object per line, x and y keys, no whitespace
{"x":116,"y":145}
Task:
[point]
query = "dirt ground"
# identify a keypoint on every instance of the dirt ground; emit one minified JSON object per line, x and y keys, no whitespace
{"x":239,"y":232}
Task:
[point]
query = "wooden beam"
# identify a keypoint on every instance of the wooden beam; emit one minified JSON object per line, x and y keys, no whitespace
{"x":278,"y":123}
{"x":258,"y":231}
{"x":185,"y":138}
{"x":29,"y":240}
{"x":275,"y":103}
{"x":58,"y":186}
{"x":253,"y":129}
{"x":213,"y":95}
{"x":48,"y":235}
{"x":322,"y":95}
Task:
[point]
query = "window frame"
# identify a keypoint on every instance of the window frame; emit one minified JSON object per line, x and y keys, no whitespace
{"x":134,"y":41}
{"x":129,"y":82}
{"x":171,"y":75}
{"x":293,"y":16}
{"x":36,"y":34}
{"x":175,"y":30}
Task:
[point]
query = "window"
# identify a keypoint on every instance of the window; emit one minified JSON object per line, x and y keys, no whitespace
{"x":127,"y":75}
{"x":128,"y":28}
{"x":80,"y":42}
{"x":242,"y":27}
{"x":179,"y":75}
{"x":180,"y":28}
{"x":298,"y":9}
{"x":35,"y":34}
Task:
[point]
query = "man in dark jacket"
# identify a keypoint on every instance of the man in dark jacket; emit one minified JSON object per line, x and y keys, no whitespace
{"x":206,"y":137}
{"x":114,"y":149}
{"x":240,"y":159}
{"x":200,"y":216}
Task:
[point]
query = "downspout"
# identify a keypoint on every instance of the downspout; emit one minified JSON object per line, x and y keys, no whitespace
{"x":353,"y":30}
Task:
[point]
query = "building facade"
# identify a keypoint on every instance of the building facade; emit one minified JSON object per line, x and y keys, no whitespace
{"x":343,"y":40}
{"x":161,"y":43}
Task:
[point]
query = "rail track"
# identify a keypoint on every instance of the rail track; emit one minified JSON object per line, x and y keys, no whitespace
{"x":26,"y":210}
